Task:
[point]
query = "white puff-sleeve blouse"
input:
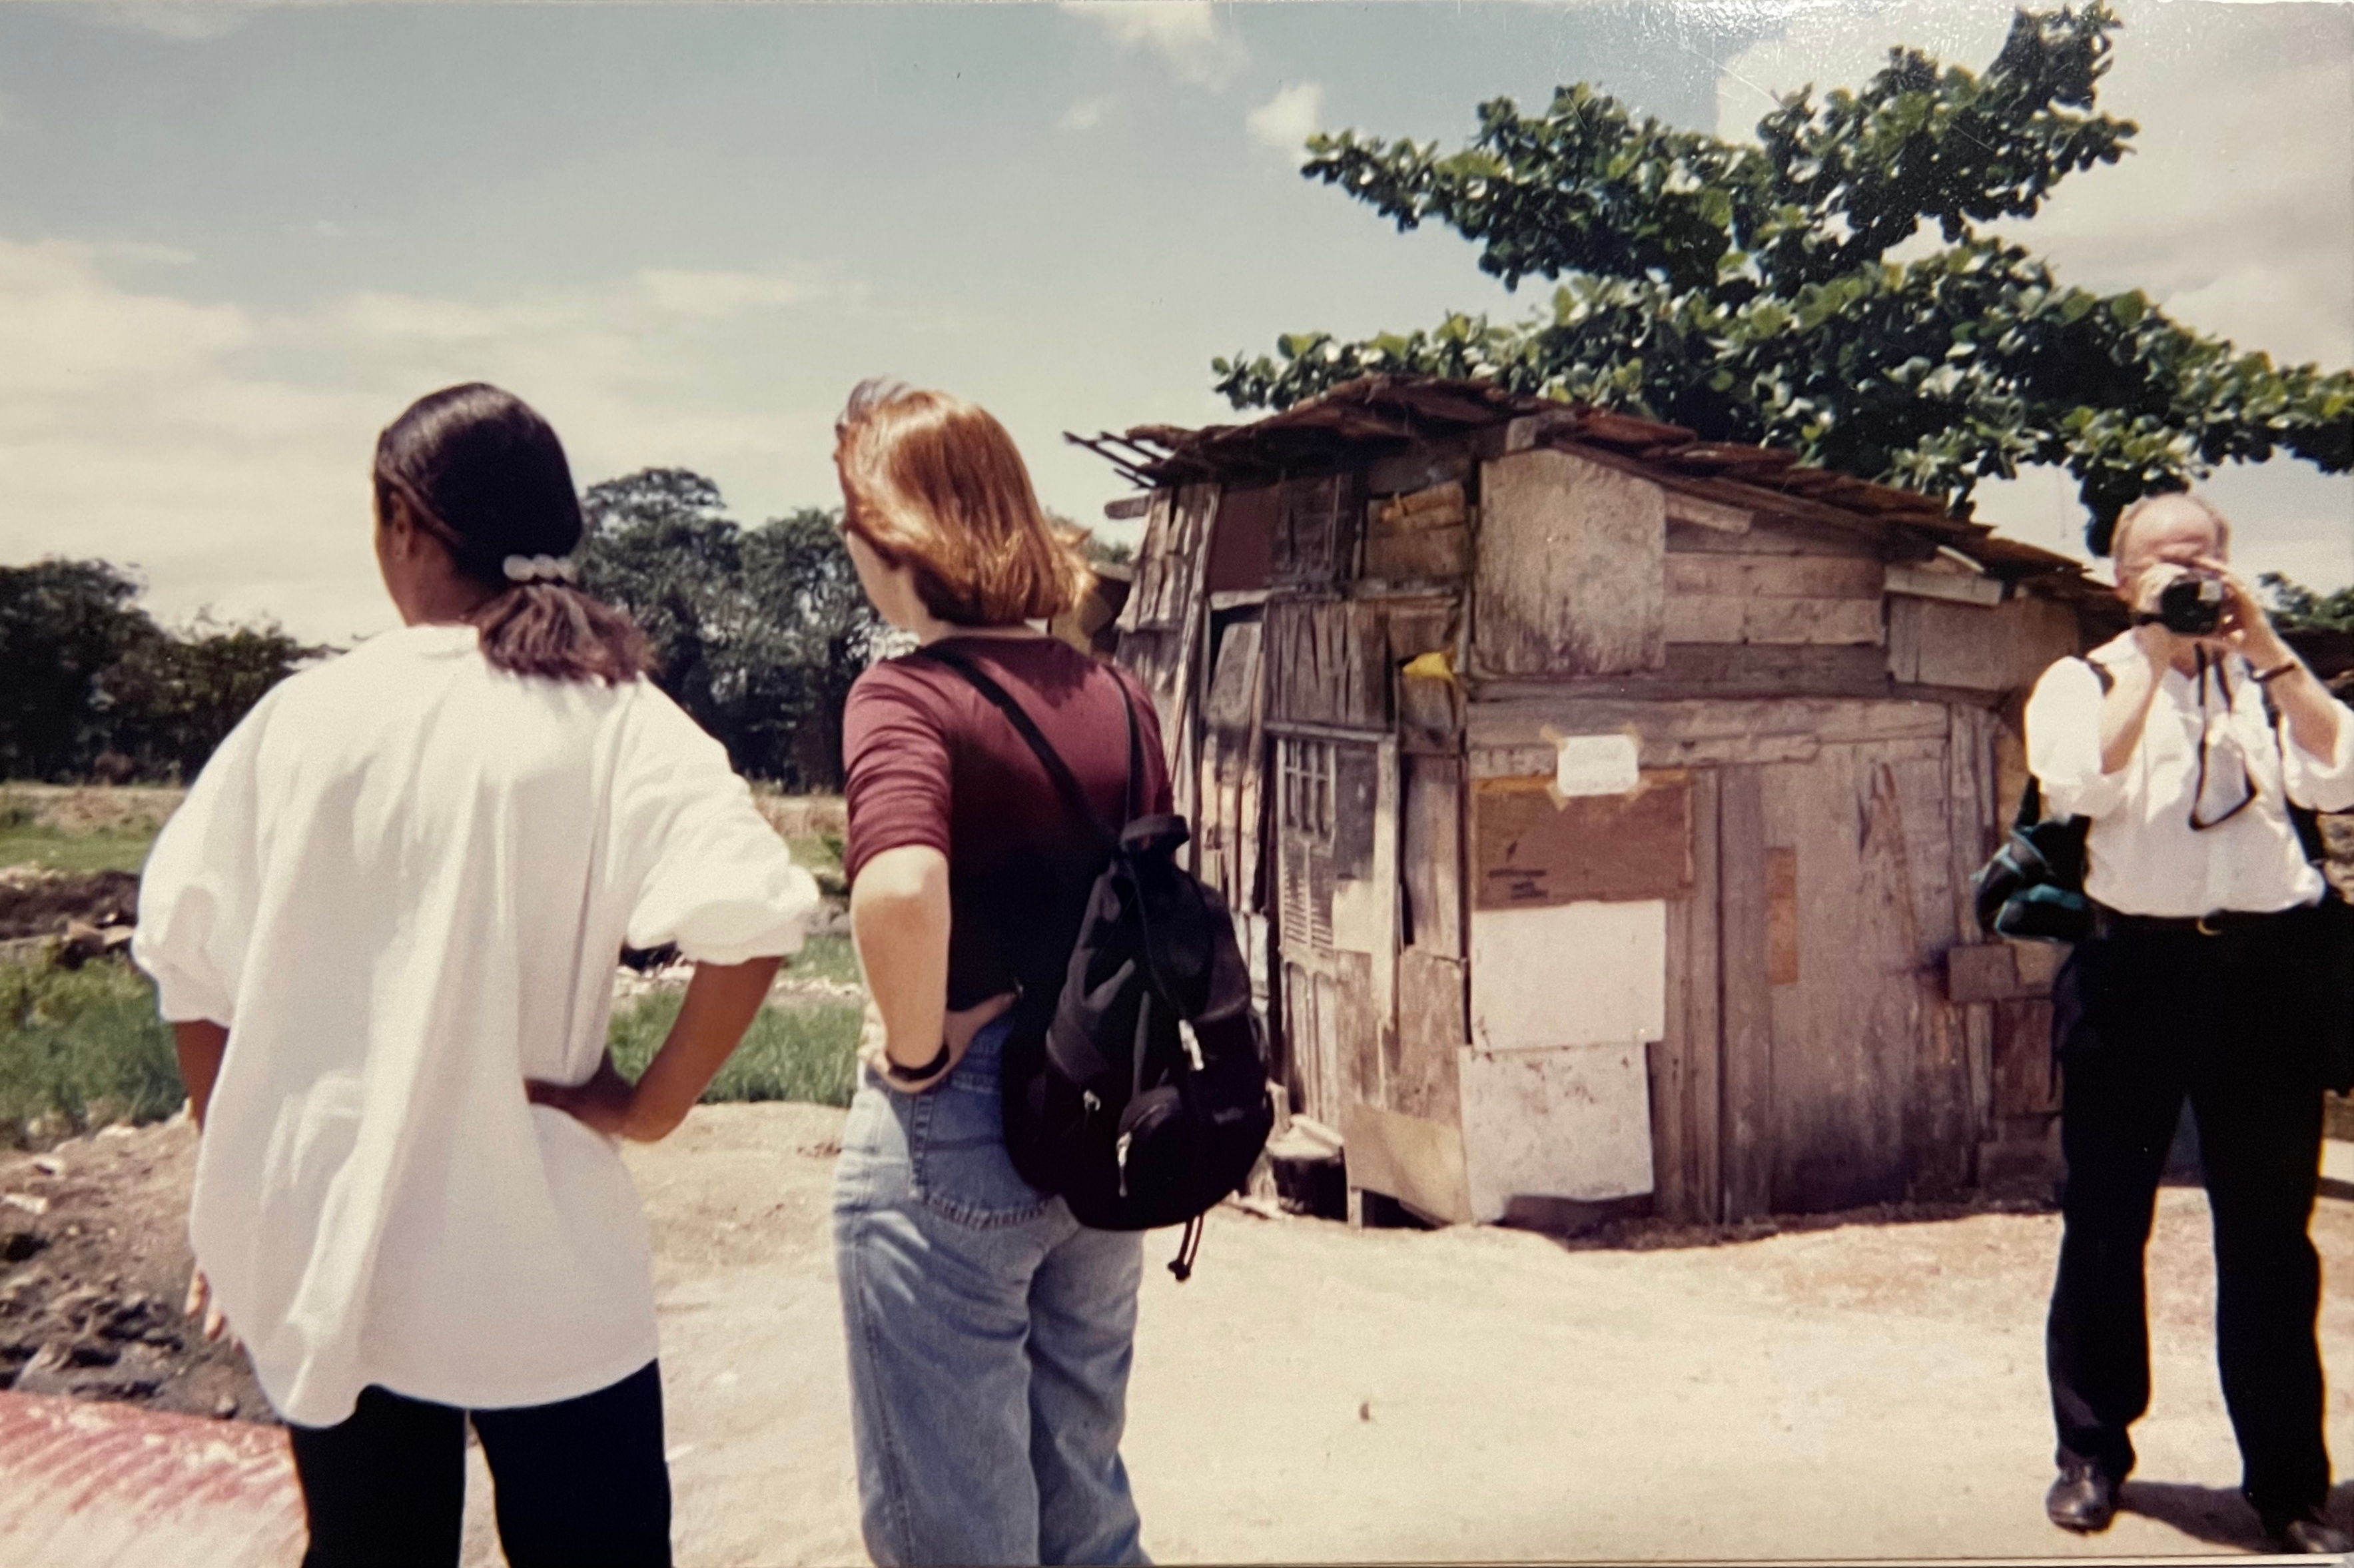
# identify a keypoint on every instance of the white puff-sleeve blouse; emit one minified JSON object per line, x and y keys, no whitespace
{"x":402,"y":883}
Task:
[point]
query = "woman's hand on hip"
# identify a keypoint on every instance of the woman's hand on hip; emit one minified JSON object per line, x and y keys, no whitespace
{"x":602,"y":1104}
{"x":960,"y":1026}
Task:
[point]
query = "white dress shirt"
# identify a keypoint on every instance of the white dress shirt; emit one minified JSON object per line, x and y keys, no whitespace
{"x":402,"y":883}
{"x":2142,"y":856}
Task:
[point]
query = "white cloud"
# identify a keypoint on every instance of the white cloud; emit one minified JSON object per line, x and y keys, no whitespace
{"x":225,"y":449}
{"x":1284,"y":121}
{"x":722,"y":294}
{"x":1192,"y":36}
{"x":192,"y":21}
{"x":1084,"y":115}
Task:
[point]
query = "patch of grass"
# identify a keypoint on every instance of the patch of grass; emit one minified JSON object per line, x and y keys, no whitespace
{"x":80,"y":1048}
{"x":31,"y":844}
{"x":825,"y":958}
{"x":819,"y":855}
{"x":796,"y":1051}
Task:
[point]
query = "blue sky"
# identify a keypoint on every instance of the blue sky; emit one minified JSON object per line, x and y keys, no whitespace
{"x":234,"y":242}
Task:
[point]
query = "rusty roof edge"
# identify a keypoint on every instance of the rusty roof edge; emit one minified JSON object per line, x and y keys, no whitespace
{"x":1224,"y":451}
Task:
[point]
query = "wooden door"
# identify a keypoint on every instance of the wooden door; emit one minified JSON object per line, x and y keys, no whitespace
{"x":1847,"y":1075}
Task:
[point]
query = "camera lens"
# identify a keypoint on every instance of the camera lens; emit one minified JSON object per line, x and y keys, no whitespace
{"x":2191,"y":606}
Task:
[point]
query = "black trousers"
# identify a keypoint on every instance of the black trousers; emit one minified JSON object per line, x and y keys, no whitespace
{"x":2145,"y":1018}
{"x":580,"y":1482}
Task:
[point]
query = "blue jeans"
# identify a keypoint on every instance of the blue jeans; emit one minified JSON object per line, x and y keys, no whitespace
{"x":990,"y":1338}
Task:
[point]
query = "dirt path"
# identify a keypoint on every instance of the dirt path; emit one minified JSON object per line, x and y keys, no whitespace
{"x":1316,"y":1394}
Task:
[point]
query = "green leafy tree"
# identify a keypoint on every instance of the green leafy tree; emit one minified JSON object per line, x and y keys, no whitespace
{"x":1746,"y":291}
{"x":757,"y":632}
{"x":174,"y":699}
{"x":94,"y":684}
{"x":63,"y":625}
{"x":2296,"y":607}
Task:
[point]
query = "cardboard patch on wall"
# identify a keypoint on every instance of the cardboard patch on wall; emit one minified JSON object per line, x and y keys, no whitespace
{"x":1574,"y":974}
{"x":1533,"y":848}
{"x":1782,"y":916}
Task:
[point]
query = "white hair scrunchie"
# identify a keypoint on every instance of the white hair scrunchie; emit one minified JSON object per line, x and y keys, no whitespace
{"x":540,"y":569}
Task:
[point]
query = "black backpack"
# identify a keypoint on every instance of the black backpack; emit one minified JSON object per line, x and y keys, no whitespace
{"x":2033,"y":886}
{"x":1140,"y":1098}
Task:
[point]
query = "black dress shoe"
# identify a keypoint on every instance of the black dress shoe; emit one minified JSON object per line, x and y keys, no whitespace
{"x":2309,"y":1532}
{"x":2083,"y":1499}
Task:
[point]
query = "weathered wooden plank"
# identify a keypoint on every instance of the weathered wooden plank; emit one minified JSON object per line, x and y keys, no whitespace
{"x":1422,"y":554}
{"x":1713,"y":515}
{"x":1981,"y":971}
{"x":1569,"y":573}
{"x":1745,"y":1140}
{"x":2024,"y":1082}
{"x":1960,"y":586}
{"x":1432,"y":1025}
{"x":1358,"y":1031}
{"x":1764,"y":536}
{"x":1691,"y":618}
{"x":1382,"y":988}
{"x":1433,"y":854}
{"x":1776,"y":576}
{"x":1416,"y":626}
{"x":1699,"y":1010}
{"x":1530,"y":849}
{"x":1975,"y":647}
{"x":1234,"y":684}
{"x":1316,"y":530}
{"x":1152,"y":556}
{"x":1226,"y":830}
{"x":1972,"y":827}
{"x":1522,"y":720}
{"x":1417,"y":1160}
{"x":1328,"y":1088}
{"x":1427,"y":711}
{"x":1417,"y":468}
{"x":1327,"y":662}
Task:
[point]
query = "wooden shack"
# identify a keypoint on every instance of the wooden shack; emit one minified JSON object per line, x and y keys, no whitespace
{"x":1600,"y":802}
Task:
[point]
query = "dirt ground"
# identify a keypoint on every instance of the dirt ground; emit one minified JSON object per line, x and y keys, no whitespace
{"x":93,"y":1271}
{"x":1316,"y":1394}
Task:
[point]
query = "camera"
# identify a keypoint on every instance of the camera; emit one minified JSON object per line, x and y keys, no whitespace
{"x":2191,"y":604}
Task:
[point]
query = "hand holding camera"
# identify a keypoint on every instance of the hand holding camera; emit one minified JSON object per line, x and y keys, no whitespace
{"x":2203,"y":603}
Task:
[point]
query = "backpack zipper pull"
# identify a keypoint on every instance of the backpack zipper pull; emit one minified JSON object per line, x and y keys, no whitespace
{"x":1088,"y":1099}
{"x":1119,"y":1151}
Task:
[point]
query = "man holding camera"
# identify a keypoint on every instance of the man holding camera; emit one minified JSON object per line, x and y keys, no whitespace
{"x":2214,"y":973}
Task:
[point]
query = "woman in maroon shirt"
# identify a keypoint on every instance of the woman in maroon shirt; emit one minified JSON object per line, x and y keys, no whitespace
{"x":990,"y":1333}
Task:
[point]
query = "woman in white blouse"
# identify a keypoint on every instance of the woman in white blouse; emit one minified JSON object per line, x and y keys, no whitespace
{"x":394,"y":896}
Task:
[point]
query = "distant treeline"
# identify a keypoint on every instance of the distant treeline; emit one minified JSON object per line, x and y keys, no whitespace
{"x":758,"y":631}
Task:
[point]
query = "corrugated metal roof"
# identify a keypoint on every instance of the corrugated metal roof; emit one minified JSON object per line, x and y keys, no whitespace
{"x":1392,"y":412}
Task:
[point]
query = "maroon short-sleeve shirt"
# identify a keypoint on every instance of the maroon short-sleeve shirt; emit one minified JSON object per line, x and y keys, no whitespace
{"x":929,"y":760}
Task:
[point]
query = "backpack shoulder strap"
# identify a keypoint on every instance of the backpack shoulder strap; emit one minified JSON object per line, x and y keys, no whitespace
{"x":1067,"y":783}
{"x":2031,"y":803}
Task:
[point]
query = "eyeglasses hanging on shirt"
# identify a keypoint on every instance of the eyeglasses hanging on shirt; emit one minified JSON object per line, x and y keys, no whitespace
{"x":2220,"y":757}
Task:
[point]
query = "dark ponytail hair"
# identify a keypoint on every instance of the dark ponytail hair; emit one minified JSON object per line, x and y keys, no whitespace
{"x":482,"y":473}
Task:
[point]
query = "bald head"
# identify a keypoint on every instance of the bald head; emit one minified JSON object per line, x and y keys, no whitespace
{"x":2178,"y":527}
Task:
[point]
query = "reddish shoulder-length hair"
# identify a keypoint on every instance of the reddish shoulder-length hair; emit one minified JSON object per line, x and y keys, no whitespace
{"x":934,"y":483}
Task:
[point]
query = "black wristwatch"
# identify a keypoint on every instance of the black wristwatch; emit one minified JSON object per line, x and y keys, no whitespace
{"x":931,"y":1069}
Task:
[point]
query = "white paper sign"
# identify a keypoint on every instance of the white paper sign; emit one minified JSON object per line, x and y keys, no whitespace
{"x":1595,"y":765}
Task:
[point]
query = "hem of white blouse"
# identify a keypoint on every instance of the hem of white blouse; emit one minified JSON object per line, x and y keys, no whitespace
{"x":554,"y":1390}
